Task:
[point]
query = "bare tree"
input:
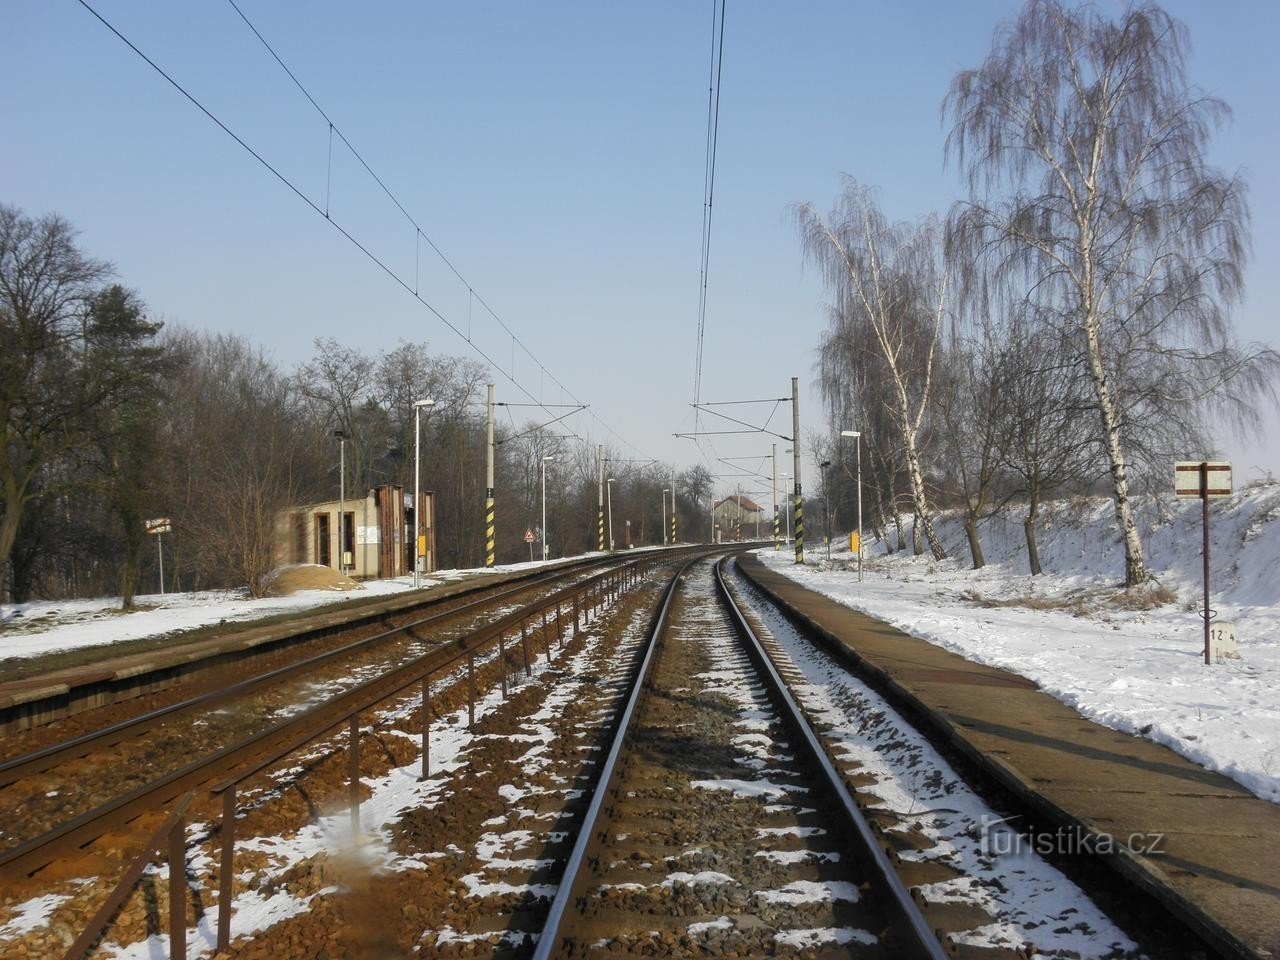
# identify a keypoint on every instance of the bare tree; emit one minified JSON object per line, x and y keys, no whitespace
{"x":1084,"y":147}
{"x":45,"y":284}
{"x":890,"y":283}
{"x":971,"y":393}
{"x":1043,"y":417}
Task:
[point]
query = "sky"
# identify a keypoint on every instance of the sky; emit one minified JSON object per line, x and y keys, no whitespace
{"x":554,"y":153}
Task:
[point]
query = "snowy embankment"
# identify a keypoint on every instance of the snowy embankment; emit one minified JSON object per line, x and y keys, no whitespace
{"x":1131,"y":660}
{"x":46,"y":626}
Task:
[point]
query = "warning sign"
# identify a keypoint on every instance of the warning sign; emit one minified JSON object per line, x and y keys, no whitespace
{"x":529,"y":537}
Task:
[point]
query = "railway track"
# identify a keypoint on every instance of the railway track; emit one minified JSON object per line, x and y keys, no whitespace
{"x":43,"y":823}
{"x":61,"y":780}
{"x":717,"y":824}
{"x":651,"y":788}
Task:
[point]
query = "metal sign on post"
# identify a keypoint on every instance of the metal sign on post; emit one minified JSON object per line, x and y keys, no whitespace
{"x":158,"y":526}
{"x":529,"y":538}
{"x":1204,"y":480}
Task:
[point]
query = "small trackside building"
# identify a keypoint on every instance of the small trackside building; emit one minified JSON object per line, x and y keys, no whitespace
{"x":737,"y":516}
{"x":372,"y":540}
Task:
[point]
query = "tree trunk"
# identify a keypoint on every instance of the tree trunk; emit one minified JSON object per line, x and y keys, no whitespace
{"x":10,"y":520}
{"x":975,"y":545}
{"x":1135,"y":571}
{"x":1029,"y":526}
{"x":917,"y":544}
{"x":920,"y":497}
{"x":133,"y":537}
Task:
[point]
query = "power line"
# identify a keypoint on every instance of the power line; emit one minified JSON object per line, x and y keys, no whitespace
{"x":412,"y":291}
{"x":709,"y":184}
{"x":420,"y":233}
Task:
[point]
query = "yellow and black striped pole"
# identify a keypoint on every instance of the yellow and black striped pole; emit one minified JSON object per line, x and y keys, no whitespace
{"x":490,"y":539}
{"x":799,"y":526}
{"x":795,"y":449}
{"x":673,"y":505}
{"x":600,"y":498}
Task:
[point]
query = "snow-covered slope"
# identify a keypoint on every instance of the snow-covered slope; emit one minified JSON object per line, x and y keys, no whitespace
{"x":1129,"y":659}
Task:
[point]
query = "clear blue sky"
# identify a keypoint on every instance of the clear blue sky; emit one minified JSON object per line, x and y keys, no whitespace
{"x":554,"y":151}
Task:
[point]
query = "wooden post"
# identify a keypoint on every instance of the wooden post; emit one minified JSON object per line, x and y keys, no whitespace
{"x":471,"y":691}
{"x":546,"y":641}
{"x":426,"y":727}
{"x":524,"y":646}
{"x":227,"y":870}
{"x":502,"y":663}
{"x":178,"y":891}
{"x":353,"y":755}
{"x":559,"y":628}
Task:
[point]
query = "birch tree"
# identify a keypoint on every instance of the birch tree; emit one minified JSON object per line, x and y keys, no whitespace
{"x":1083,"y":146}
{"x":890,"y":284}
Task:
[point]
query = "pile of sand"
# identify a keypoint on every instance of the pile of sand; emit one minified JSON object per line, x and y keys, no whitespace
{"x":285,"y":581}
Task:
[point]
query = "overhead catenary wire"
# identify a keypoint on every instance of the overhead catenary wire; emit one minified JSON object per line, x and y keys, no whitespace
{"x":324,"y":212}
{"x":472,"y":293}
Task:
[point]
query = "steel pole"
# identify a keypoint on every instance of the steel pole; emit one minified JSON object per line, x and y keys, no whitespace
{"x":342,"y":495}
{"x":795,"y":447}
{"x":544,"y":510}
{"x":1204,"y":519}
{"x":160,"y":551}
{"x":673,"y":505}
{"x":776,"y":547}
{"x":609,"y":487}
{"x":417,"y":493}
{"x":490,"y":539}
{"x":600,"y":498}
{"x":663,"y":530}
{"x":859,"y":445}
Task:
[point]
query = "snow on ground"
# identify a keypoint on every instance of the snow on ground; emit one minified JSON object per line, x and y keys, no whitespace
{"x":45,"y":626}
{"x":391,"y":795}
{"x":1071,"y":630}
{"x":1027,"y":900}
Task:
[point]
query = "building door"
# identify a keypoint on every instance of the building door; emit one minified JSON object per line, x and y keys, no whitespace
{"x":323,"y":554}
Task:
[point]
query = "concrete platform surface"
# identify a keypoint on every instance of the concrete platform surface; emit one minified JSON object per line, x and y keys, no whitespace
{"x":1219,"y":863}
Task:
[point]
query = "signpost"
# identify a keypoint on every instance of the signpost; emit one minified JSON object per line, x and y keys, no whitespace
{"x":158,"y":526}
{"x":529,"y":538}
{"x":1204,"y":480}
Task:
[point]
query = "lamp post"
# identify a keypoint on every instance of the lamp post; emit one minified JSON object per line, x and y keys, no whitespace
{"x":857,"y":437}
{"x":342,"y":490}
{"x":545,"y":549}
{"x":608,"y":486}
{"x":664,"y":515}
{"x":826,"y":508}
{"x":417,"y":490}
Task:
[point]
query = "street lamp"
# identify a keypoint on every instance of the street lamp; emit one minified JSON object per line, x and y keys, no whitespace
{"x":857,"y":436}
{"x":545,"y":549}
{"x":417,"y":490}
{"x":342,"y":490}
{"x":665,"y":491}
{"x":608,"y":485}
{"x":826,"y":507}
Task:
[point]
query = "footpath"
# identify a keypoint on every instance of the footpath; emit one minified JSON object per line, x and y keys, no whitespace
{"x":1218,"y":866}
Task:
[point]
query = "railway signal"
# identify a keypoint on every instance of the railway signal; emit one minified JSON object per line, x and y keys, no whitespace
{"x":1205,"y":480}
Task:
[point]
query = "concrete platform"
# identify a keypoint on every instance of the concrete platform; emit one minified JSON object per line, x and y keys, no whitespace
{"x":63,"y":692}
{"x":1219,"y":863}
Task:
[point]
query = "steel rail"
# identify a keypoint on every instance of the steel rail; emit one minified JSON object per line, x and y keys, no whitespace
{"x":919,"y":939}
{"x":34,"y":854}
{"x":548,"y":939}
{"x":38,"y":761}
